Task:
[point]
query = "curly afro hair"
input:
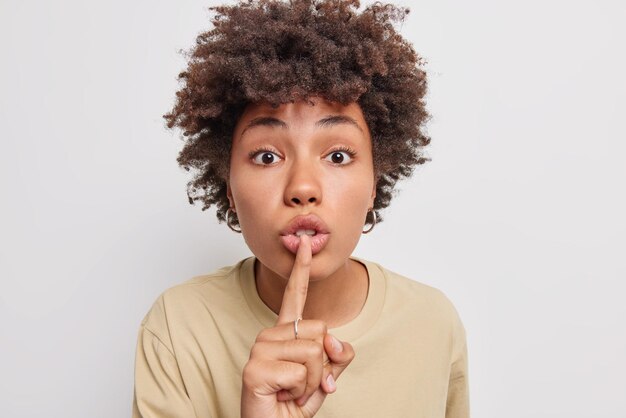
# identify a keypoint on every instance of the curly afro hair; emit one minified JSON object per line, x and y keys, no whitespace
{"x":279,"y":52}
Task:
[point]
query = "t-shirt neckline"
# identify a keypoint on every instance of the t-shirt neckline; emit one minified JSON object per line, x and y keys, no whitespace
{"x":347,"y":332}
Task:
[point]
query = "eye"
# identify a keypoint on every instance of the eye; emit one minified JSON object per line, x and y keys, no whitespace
{"x":340,"y":157}
{"x":265,"y":158}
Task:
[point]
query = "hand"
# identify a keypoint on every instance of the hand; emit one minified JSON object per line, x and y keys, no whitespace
{"x":288,"y":377}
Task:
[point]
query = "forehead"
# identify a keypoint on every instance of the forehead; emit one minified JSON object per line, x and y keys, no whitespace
{"x":302,"y":113}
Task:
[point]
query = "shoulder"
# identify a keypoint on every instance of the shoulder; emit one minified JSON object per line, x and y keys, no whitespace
{"x":187,"y":300}
{"x":416,"y":299}
{"x":205,"y":286}
{"x":400,"y":286}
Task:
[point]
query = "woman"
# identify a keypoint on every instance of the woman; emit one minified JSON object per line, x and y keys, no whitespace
{"x":300,"y":119}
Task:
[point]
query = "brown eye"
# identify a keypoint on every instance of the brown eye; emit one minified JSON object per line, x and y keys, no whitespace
{"x":265,"y":158}
{"x":339,"y":157}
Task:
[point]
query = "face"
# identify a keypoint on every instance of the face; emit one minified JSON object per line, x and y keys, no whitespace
{"x":302,"y":167}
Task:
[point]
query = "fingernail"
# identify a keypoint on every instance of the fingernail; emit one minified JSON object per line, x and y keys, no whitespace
{"x":337,"y":346}
{"x":331,"y":382}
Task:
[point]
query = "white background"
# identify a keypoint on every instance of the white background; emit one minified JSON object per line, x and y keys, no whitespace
{"x":519,"y":218}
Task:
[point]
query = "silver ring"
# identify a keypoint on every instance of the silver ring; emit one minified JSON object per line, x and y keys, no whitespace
{"x":295,"y":326}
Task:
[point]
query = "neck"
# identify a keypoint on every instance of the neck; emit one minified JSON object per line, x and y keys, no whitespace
{"x":336,"y":299}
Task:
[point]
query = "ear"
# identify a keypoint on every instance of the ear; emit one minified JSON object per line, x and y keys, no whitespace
{"x":373,"y":196}
{"x":229,"y":195}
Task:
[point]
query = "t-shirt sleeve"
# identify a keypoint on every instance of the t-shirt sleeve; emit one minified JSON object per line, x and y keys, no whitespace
{"x":457,"y":405}
{"x":159,"y":388}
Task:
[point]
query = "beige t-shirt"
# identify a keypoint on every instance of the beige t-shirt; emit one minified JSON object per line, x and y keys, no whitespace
{"x":411,"y":353}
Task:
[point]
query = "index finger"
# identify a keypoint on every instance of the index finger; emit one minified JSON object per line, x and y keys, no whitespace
{"x":294,"y":297}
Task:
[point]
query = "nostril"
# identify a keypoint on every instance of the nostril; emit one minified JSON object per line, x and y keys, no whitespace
{"x":311,"y":199}
{"x":295,"y":200}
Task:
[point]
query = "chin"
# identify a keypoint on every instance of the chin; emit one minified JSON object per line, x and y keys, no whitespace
{"x":324,"y":265}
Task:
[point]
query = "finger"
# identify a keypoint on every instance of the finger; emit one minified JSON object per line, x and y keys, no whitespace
{"x":305,"y":352}
{"x":325,"y":386}
{"x":294,"y":297}
{"x":340,"y":355}
{"x":268,"y":377}
{"x":308,"y":329}
{"x":327,"y":383}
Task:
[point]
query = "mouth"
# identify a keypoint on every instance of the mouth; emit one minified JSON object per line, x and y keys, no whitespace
{"x":311,"y":225}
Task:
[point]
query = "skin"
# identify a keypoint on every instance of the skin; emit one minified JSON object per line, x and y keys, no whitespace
{"x":297,"y":159}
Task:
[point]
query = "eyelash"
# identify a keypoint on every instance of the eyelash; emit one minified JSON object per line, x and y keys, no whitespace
{"x":259,"y":150}
{"x":345,"y":149}
{"x":252,"y":154}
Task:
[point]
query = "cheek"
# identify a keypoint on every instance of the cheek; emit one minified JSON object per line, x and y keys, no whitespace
{"x":254,"y":201}
{"x":351,"y":200}
{"x":352,"y":191}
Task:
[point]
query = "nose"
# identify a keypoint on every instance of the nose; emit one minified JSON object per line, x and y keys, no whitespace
{"x":303,"y":187}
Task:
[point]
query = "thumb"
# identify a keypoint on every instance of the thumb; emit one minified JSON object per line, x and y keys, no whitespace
{"x":339,"y":353}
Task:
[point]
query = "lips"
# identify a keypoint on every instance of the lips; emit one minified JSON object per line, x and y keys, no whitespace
{"x":309,"y":224}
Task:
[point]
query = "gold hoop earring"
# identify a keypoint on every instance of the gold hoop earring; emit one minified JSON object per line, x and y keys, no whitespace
{"x":228,"y":212}
{"x":368,"y":230}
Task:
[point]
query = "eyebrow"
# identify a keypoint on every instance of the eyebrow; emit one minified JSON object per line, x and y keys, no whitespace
{"x":334,"y":120}
{"x":326,"y":122}
{"x":264,"y":121}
